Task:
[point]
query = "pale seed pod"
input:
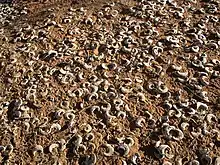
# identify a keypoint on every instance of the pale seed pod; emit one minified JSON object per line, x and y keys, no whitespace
{"x":110,"y":150}
{"x":53,"y":147}
{"x":38,"y":148}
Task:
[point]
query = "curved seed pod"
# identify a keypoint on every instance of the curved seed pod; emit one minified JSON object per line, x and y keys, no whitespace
{"x":213,"y":45}
{"x":156,"y":51}
{"x":191,"y":111}
{"x":165,"y":150}
{"x":182,"y":74}
{"x":38,"y":148}
{"x":216,"y":62}
{"x":81,"y":76}
{"x":93,"y":78}
{"x":210,"y":118}
{"x":78,"y":92}
{"x":78,"y":140}
{"x":91,"y":146}
{"x":217,"y":161}
{"x":176,"y":113}
{"x":118,"y":102}
{"x":114,"y":13}
{"x":108,"y":116}
{"x":94,"y":96}
{"x":195,"y":49}
{"x":125,"y":90}
{"x":204,"y":80}
{"x":110,"y":150}
{"x":55,"y":127}
{"x":162,"y":88}
{"x":94,"y":108}
{"x":53,"y":147}
{"x":65,"y":104}
{"x":139,"y":121}
{"x":201,"y":106}
{"x":59,"y":113}
{"x":168,"y":104}
{"x":180,"y":135}
{"x":104,"y":66}
{"x":126,"y":49}
{"x":44,"y":130}
{"x":135,"y":158}
{"x":129,"y":141}
{"x":87,"y":127}
{"x":197,"y":64}
{"x":106,"y":107}
{"x":121,"y":114}
{"x":69,"y":115}
{"x":184,"y":126}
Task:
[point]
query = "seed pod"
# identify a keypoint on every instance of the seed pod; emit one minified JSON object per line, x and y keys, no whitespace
{"x":110,"y":150}
{"x":38,"y":148}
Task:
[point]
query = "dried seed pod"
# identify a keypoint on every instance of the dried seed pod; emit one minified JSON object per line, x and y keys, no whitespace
{"x":125,"y":90}
{"x":110,"y":150}
{"x":129,"y":141}
{"x":94,"y":108}
{"x":38,"y":148}
{"x":135,"y":158}
{"x":69,"y":115}
{"x":162,"y":88}
{"x":217,"y":161}
{"x":78,"y":140}
{"x":156,"y":51}
{"x":121,"y":114}
{"x":163,"y":151}
{"x":59,"y":113}
{"x":93,"y":96}
{"x":211,"y":118}
{"x":176,"y":113}
{"x":64,"y":104}
{"x":53,"y":147}
{"x":201,"y":106}
{"x":139,"y":122}
{"x":55,"y":127}
{"x":184,"y":126}
{"x":106,"y":107}
{"x":87,"y":127}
